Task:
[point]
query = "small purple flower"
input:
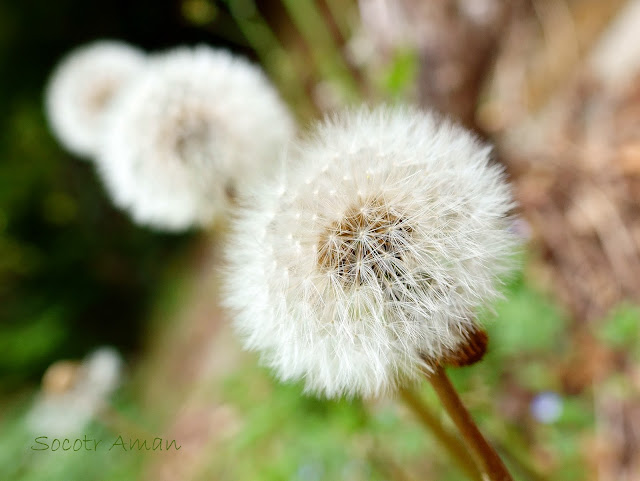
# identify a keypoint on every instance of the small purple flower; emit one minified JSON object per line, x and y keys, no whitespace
{"x":546,"y":407}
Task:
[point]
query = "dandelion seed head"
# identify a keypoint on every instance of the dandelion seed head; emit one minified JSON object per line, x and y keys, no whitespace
{"x":402,"y":233}
{"x":82,"y":89}
{"x":74,"y":392}
{"x":196,"y":126}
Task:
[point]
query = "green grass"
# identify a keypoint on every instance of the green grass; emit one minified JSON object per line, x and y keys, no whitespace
{"x":282,"y":434}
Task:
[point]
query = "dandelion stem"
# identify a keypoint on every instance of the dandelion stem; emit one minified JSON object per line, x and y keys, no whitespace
{"x":451,"y":443}
{"x":485,"y":455}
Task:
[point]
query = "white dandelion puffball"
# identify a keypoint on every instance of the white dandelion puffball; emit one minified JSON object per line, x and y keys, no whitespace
{"x":83,"y":87}
{"x":73,"y":393}
{"x":197,"y":125}
{"x":364,"y":263}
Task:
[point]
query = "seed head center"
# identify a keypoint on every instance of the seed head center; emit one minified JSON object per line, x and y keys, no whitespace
{"x":365,"y":246}
{"x":192,"y":138}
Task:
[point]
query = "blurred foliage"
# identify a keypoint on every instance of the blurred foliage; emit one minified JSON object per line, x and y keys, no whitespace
{"x":288,"y":435}
{"x":400,"y":75}
{"x":621,"y":331}
{"x":19,"y":462}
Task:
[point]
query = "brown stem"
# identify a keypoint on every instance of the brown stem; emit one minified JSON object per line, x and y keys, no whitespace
{"x":485,"y":455}
{"x":450,"y":442}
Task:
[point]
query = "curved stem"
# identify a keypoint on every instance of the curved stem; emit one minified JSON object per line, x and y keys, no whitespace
{"x":485,"y":455}
{"x":450,"y":442}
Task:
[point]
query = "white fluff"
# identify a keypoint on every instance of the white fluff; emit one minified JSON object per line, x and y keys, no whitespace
{"x":197,"y":125}
{"x":381,"y":237}
{"x":82,"y":88}
{"x":69,"y":412}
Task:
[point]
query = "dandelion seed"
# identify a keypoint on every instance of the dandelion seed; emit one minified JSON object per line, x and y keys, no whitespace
{"x":388,"y":285}
{"x":82,"y":89}
{"x":195,"y":127}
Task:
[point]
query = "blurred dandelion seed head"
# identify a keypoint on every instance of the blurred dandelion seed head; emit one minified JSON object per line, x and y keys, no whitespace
{"x":366,"y":259}
{"x":82,"y":89}
{"x":197,"y":124}
{"x":74,"y":392}
{"x":60,"y":377}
